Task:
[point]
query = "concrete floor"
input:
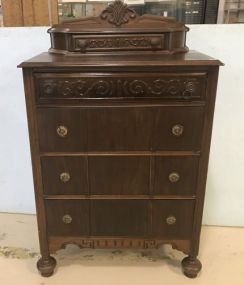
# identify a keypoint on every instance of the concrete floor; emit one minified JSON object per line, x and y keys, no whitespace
{"x":221,"y":252}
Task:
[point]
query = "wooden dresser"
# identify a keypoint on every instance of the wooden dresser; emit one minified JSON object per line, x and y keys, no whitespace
{"x":120,"y":118}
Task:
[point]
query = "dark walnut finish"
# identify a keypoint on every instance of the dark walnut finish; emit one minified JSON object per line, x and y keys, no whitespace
{"x":119,"y":28}
{"x":117,"y":86}
{"x":120,"y":118}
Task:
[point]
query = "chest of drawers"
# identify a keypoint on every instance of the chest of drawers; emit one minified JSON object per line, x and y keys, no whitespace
{"x":120,"y":135}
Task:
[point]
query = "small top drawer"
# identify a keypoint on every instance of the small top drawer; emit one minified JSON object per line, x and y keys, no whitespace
{"x":68,"y":86}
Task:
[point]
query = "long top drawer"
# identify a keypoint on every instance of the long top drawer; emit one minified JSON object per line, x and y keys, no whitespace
{"x":79,"y":86}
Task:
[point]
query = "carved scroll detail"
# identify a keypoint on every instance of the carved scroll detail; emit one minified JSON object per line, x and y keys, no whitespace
{"x":57,"y":243}
{"x":181,"y":88}
{"x":118,"y":43}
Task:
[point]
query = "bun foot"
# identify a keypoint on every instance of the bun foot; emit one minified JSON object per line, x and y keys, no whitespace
{"x":191,"y":266}
{"x":46,"y":266}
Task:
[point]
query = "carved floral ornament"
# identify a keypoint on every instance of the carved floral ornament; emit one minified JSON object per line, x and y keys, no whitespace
{"x":119,"y":43}
{"x":118,"y":13}
{"x":118,"y":27}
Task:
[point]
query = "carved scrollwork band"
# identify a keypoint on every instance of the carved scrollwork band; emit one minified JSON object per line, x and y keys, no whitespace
{"x":179,"y":88}
{"x":60,"y":242}
{"x":118,"y":43}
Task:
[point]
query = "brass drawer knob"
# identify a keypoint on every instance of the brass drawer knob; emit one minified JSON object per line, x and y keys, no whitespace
{"x":64,"y":177}
{"x":155,"y":42}
{"x":67,"y":219}
{"x":177,"y":130}
{"x":174,"y":177}
{"x":62,"y":131}
{"x":171,"y":220}
{"x":82,"y":44}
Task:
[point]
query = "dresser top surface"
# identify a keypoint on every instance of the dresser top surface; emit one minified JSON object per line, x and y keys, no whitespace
{"x":191,"y":58}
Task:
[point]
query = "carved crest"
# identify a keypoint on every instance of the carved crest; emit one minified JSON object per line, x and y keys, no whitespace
{"x":118,"y":13}
{"x":119,"y":28}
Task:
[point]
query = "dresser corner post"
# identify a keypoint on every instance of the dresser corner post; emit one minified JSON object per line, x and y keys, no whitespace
{"x":46,"y":264}
{"x":191,"y":265}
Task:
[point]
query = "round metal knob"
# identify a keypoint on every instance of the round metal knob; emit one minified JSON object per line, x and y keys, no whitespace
{"x":171,"y":220}
{"x":155,"y":42}
{"x":177,"y":130}
{"x":82,"y":44}
{"x":48,"y":89}
{"x":62,"y":131}
{"x":64,"y":177}
{"x":174,"y":177}
{"x":67,"y":219}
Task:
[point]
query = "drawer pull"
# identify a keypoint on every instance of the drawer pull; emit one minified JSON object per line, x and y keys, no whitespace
{"x":62,"y":131}
{"x":67,"y":219}
{"x":174,"y":177}
{"x":171,"y":220}
{"x":82,"y":44}
{"x":64,"y":177}
{"x":155,"y":42}
{"x":177,"y":130}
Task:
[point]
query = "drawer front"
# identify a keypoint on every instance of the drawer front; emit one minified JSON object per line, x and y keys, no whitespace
{"x":64,"y":175}
{"x":169,"y":219}
{"x":145,"y":129}
{"x":67,"y":217}
{"x":119,"y":175}
{"x":172,"y":219}
{"x":120,"y":128}
{"x":135,"y":42}
{"x":78,"y":86}
{"x":119,"y":217}
{"x":176,"y":175}
{"x":178,"y":128}
{"x":62,"y":129}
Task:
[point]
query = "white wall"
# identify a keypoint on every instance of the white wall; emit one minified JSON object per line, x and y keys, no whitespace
{"x":225,"y":186}
{"x":16,"y":187}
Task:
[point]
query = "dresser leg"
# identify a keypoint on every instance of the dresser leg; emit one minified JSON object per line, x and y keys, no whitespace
{"x":191,"y":266}
{"x":46,"y":266}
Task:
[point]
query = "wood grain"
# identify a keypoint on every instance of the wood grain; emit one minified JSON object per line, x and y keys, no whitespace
{"x":12,"y":13}
{"x":29,"y":13}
